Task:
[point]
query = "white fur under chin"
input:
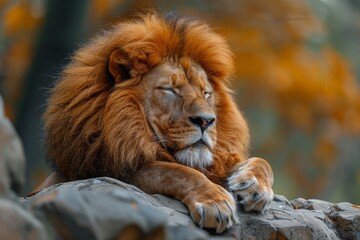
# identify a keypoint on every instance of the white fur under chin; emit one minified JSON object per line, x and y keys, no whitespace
{"x":200,"y":157}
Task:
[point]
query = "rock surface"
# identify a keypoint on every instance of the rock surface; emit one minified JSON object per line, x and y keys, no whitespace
{"x":12,"y":160}
{"x":15,"y":221}
{"x":121,"y":205}
{"x":105,"y":208}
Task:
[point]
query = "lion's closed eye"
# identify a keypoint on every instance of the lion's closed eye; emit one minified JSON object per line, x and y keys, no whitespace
{"x":170,"y":91}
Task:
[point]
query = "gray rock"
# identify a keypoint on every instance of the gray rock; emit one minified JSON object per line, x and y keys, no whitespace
{"x":16,"y":223}
{"x":4,"y":179}
{"x":12,"y":160}
{"x":105,"y":208}
{"x":346,"y":217}
{"x":94,"y":215}
{"x":85,"y":205}
{"x":183,"y":233}
{"x":312,"y":204}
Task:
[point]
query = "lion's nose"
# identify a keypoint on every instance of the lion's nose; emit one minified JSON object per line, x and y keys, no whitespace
{"x":202,"y":121}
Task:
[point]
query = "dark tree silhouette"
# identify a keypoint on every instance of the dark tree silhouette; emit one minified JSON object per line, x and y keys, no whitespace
{"x":63,"y":30}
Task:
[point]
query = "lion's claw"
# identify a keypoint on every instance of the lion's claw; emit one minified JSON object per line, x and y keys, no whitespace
{"x":251,"y":185}
{"x":217,"y":210}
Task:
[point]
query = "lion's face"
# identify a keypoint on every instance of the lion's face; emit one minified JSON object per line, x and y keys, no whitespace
{"x":179,"y":105}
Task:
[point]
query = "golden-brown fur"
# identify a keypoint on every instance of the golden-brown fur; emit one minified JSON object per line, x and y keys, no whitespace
{"x":98,"y":118}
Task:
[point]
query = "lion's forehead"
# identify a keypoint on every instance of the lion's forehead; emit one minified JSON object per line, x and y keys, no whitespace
{"x":181,"y":75}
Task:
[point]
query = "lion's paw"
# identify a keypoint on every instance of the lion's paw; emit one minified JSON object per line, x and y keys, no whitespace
{"x":214,"y":209}
{"x":251,"y":184}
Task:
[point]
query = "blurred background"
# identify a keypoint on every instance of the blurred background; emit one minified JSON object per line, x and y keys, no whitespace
{"x":297,"y":78}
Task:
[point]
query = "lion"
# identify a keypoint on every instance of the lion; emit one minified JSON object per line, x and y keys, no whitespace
{"x":148,"y":102}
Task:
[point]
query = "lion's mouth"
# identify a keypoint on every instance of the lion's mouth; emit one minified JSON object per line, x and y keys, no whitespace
{"x":199,"y":143}
{"x":197,"y":154}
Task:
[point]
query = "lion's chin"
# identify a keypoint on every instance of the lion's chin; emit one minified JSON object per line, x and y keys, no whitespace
{"x":195,"y":156}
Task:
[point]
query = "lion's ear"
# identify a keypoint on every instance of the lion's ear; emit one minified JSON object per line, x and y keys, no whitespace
{"x":119,"y":65}
{"x":130,"y":63}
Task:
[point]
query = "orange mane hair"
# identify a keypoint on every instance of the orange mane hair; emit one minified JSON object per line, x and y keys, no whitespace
{"x":84,"y":141}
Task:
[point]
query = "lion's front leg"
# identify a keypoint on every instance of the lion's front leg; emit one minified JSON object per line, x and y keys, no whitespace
{"x":210,"y":205}
{"x":251,"y":183}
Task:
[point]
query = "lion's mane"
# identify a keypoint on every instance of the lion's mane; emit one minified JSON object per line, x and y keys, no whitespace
{"x":93,"y":130}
